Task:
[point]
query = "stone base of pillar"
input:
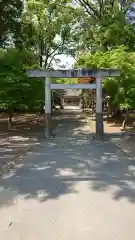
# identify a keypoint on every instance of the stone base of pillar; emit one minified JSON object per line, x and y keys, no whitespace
{"x":48,"y":125}
{"x":99,"y":124}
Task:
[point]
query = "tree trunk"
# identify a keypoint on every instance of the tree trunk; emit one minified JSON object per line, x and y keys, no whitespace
{"x":83,"y":105}
{"x":10,"y":115}
{"x":61,"y":103}
{"x":41,"y":60}
{"x":125,"y":120}
{"x":40,"y":112}
{"x":41,"y":52}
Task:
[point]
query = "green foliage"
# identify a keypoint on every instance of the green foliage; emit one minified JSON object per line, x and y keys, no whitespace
{"x":12,"y":79}
{"x":121,"y":90}
{"x":47,"y":27}
{"x":66,"y":80}
{"x":10,"y":15}
{"x":16,"y":90}
{"x":106,"y":25}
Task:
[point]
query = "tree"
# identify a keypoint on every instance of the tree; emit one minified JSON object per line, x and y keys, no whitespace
{"x":107,"y":24}
{"x":16,"y":90}
{"x":97,"y":9}
{"x":120,"y":90}
{"x":12,"y":82}
{"x":47,"y":28}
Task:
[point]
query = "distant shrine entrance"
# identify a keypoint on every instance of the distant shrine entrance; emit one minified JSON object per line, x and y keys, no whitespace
{"x":83,"y":97}
{"x":88,"y":96}
{"x":83,"y":75}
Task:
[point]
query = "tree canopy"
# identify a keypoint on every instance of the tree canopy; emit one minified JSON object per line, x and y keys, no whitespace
{"x":121,"y":90}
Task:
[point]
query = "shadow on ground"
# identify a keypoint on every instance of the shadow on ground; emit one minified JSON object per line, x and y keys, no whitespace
{"x":53,"y":169}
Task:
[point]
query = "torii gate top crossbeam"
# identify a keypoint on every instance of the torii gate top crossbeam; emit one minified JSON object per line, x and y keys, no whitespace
{"x":73,"y":73}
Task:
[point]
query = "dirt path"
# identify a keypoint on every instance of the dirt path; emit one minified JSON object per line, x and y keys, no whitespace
{"x":70,"y":187}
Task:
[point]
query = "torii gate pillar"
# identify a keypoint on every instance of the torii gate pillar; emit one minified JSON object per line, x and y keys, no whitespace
{"x":99,"y":110}
{"x":48,"y":102}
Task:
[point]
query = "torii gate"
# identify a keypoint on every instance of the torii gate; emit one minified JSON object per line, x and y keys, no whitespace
{"x":99,"y":74}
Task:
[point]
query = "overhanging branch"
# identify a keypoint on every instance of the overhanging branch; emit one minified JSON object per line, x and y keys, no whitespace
{"x":89,"y":8}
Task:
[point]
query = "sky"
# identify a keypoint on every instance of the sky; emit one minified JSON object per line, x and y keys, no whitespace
{"x":66,"y":60}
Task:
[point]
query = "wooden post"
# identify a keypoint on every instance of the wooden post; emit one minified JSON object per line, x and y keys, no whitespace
{"x":99,"y":111}
{"x":48,"y":118}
